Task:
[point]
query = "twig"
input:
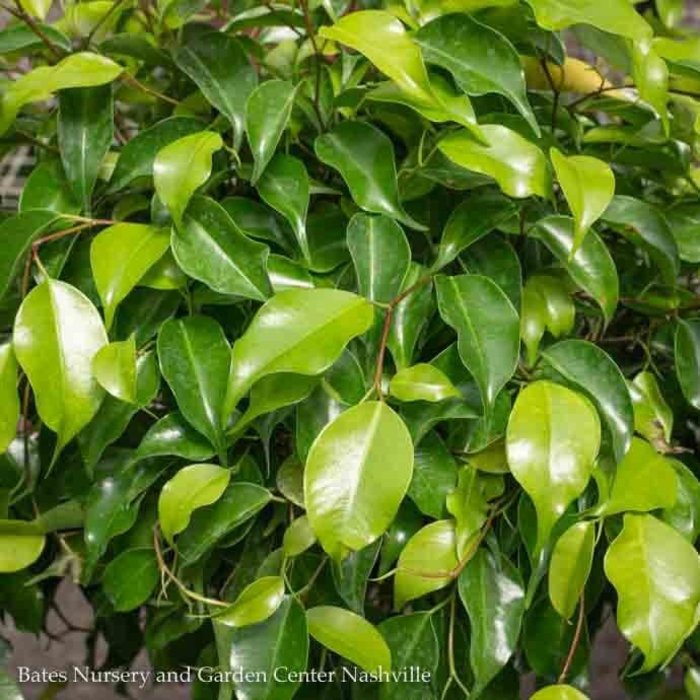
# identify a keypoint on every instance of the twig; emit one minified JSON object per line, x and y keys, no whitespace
{"x":575,"y":641}
{"x":129,"y":79}
{"x":20,"y":14}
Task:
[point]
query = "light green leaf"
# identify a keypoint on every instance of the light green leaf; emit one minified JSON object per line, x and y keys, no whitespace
{"x":350,"y":636}
{"x":9,"y":398}
{"x":478,"y":215}
{"x":114,"y":367}
{"x":589,"y":369}
{"x":381,"y":255}
{"x":570,"y":567}
{"x":559,"y":692}
{"x":137,"y":156}
{"x":491,"y":589}
{"x":36,"y":8}
{"x":481,"y":59}
{"x":357,"y":472}
{"x":285,"y":187}
{"x":85,"y":132}
{"x":650,"y":75}
{"x":120,"y":256}
{"x":79,"y":70}
{"x":21,"y":543}
{"x":381,"y":37}
{"x":364,"y":156}
{"x":687,"y":356}
{"x":516,"y":164}
{"x":57,"y":333}
{"x":181,"y":167}
{"x":256,"y":603}
{"x":422,"y":382}
{"x":653,"y":417}
{"x":130,"y":578}
{"x":172,"y":435}
{"x":488,"y":330}
{"x":47,"y":188}
{"x":615,"y":16}
{"x":209,"y":247}
{"x":219,"y":66}
{"x":552,"y":442}
{"x":298,"y":537}
{"x":588,"y":185}
{"x":192,"y":487}
{"x":266,"y":115}
{"x":427,"y":563}
{"x":657,"y":576}
{"x":195,"y":360}
{"x":645,"y":226}
{"x":298,"y":330}
{"x":591,"y":267}
{"x":644,"y":481}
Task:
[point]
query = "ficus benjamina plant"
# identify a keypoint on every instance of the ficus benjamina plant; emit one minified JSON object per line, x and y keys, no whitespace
{"x":356,"y":340}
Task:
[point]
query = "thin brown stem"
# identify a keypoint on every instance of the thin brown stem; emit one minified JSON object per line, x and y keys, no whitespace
{"x":575,"y":641}
{"x":20,"y":14}
{"x":130,"y":80}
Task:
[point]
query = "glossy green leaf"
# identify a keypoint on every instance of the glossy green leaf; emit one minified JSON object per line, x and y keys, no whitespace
{"x":364,"y":157}
{"x":298,"y":537}
{"x":645,"y":226}
{"x":470,"y":221}
{"x":240,"y":502}
{"x":422,"y":382}
{"x":195,"y":359}
{"x":616,"y":16}
{"x":572,"y":559}
{"x":57,"y":333}
{"x":683,"y":221}
{"x":413,"y":642}
{"x":120,"y":256}
{"x":281,"y":641}
{"x":209,"y":247}
{"x":256,"y":603}
{"x":9,"y":398}
{"x":588,"y":185}
{"x":130,"y":578}
{"x":85,"y":132}
{"x":18,"y":233}
{"x":644,"y":481}
{"x":137,"y":156}
{"x":687,"y":356}
{"x":591,"y":266}
{"x":114,"y":367}
{"x":491,"y":589}
{"x":357,"y":472}
{"x":684,"y":514}
{"x":48,"y":188}
{"x":488,"y":330}
{"x":592,"y":371}
{"x":516,"y":164}
{"x":480,"y":58}
{"x":298,"y":330}
{"x":559,"y":692}
{"x":552,"y":442}
{"x":434,"y":476}
{"x":381,"y":255}
{"x":78,"y":70}
{"x":427,"y":563}
{"x":653,"y":417}
{"x":285,"y":187}
{"x":181,"y":167}
{"x":650,"y":75}
{"x":172,"y":435}
{"x":381,"y":37}
{"x":192,"y":487}
{"x":350,"y":636}
{"x":657,"y":576}
{"x":21,"y":543}
{"x":220,"y":68}
{"x":267,"y":113}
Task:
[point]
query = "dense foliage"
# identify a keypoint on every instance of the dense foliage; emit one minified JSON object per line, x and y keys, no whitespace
{"x":355,"y":339}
